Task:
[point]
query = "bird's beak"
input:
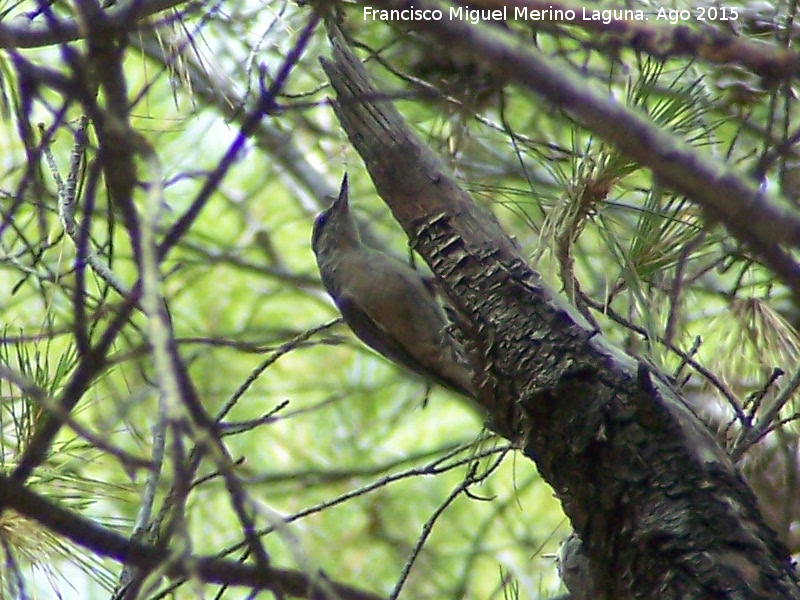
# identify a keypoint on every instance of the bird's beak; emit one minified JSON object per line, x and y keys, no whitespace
{"x":344,"y":194}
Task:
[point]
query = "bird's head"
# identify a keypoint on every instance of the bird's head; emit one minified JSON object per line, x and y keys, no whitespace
{"x":334,"y":227}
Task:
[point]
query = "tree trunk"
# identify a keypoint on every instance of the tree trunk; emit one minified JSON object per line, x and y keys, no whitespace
{"x":662,"y":511}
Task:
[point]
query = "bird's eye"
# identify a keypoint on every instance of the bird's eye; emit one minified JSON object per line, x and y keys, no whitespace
{"x":316,"y":232}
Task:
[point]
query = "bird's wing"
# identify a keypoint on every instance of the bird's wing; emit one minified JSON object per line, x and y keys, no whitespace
{"x":380,"y":340}
{"x":373,"y":334}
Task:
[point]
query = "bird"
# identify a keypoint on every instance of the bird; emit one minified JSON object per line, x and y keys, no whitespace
{"x":573,"y":568}
{"x":385,"y":302}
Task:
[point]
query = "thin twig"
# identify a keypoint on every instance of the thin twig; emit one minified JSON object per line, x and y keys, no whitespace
{"x":754,"y":434}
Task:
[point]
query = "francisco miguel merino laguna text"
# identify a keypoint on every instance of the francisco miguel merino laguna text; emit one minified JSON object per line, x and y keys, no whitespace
{"x":474,"y":15}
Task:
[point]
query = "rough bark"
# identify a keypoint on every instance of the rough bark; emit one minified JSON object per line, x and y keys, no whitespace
{"x":661,"y":508}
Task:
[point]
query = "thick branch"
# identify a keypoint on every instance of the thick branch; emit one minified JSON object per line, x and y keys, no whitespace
{"x":664,"y":41}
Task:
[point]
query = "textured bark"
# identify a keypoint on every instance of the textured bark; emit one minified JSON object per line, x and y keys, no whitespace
{"x":660,"y":506}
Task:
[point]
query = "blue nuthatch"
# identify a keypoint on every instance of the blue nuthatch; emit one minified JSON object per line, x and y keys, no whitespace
{"x":386,"y":303}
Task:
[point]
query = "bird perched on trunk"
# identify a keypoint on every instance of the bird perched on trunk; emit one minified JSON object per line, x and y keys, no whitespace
{"x":573,"y":568}
{"x":386,"y":303}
